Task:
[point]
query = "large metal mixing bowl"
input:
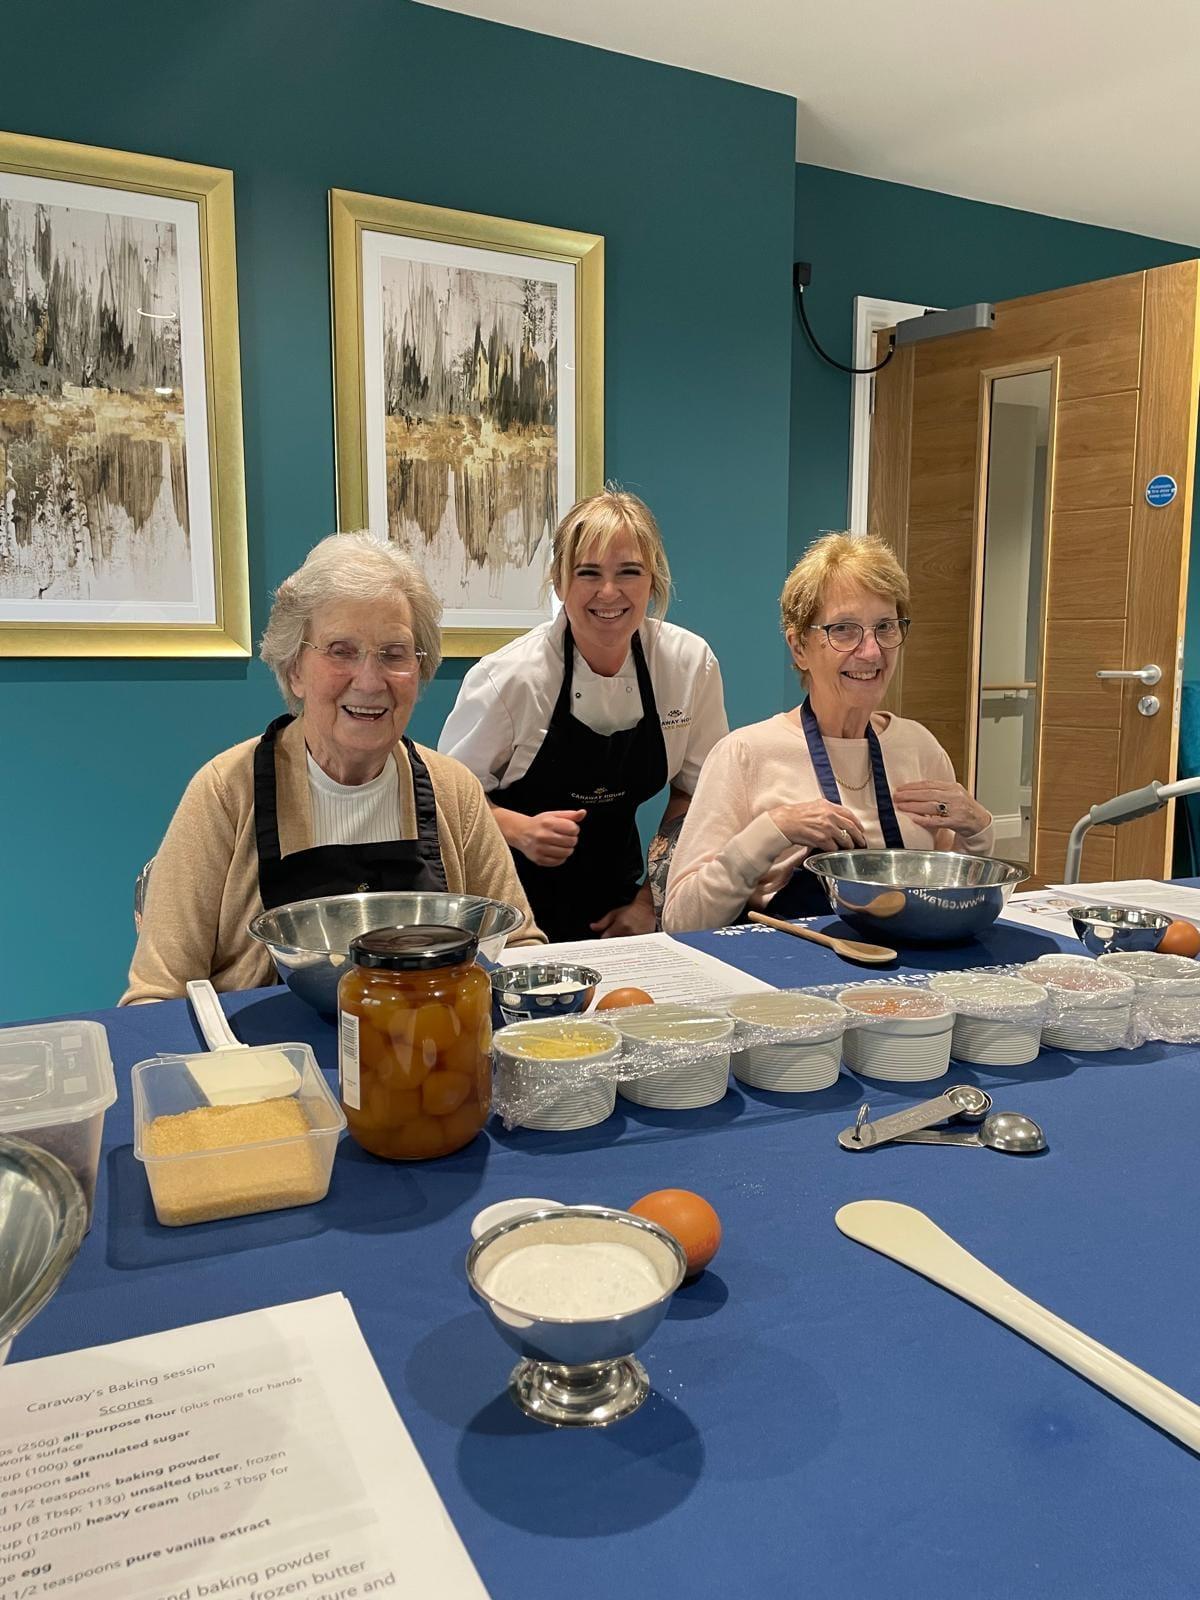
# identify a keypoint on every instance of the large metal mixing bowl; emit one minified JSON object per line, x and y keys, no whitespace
{"x":43,"y":1218}
{"x":916,"y":896}
{"x":309,"y":940}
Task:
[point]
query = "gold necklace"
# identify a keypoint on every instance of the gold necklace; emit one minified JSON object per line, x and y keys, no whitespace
{"x":852,"y":788}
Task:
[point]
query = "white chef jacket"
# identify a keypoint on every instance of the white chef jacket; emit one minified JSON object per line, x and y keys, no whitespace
{"x":504,"y":706}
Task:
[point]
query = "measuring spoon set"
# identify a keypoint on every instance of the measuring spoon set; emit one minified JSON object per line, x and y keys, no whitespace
{"x":1008,"y":1132}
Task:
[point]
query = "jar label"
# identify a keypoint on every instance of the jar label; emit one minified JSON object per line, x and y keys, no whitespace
{"x":348,"y":1086}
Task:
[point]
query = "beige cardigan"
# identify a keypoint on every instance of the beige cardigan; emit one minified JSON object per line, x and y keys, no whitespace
{"x":203,"y":889}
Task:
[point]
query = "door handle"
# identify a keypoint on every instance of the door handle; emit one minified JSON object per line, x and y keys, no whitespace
{"x":1147,"y":675}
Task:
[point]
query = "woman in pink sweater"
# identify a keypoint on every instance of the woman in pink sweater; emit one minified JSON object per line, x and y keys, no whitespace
{"x":836,"y":773}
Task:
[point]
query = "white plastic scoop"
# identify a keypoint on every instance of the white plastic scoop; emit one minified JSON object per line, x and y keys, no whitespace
{"x":908,"y":1236}
{"x":234,"y":1073}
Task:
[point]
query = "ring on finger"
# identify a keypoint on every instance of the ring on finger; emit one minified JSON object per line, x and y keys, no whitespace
{"x":943,"y":810}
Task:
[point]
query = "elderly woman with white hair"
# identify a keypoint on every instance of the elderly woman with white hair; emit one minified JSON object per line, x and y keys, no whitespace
{"x":334,"y":798}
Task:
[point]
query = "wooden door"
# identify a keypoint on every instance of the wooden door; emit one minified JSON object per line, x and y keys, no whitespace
{"x":1124,"y":360}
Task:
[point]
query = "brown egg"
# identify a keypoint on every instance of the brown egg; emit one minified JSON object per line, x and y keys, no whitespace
{"x":690,"y":1218}
{"x":618,"y":998}
{"x":1180,"y":939}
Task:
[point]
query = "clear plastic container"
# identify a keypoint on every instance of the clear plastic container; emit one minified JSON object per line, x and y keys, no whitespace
{"x":56,"y":1083}
{"x":204,"y":1162}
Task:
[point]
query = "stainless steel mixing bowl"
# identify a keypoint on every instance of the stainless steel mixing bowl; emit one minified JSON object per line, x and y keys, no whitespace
{"x":916,"y":896}
{"x":577,"y":1372}
{"x":309,"y":940}
{"x":43,"y":1218}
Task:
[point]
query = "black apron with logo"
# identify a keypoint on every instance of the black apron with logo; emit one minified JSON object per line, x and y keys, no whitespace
{"x":804,"y":895}
{"x":397,"y":865}
{"x":609,"y":776}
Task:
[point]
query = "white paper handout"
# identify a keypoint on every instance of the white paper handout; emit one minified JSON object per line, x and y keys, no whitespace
{"x":231,"y":1458}
{"x":664,"y":968}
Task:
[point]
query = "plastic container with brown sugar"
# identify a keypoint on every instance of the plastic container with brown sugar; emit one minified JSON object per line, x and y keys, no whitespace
{"x":205,"y":1162}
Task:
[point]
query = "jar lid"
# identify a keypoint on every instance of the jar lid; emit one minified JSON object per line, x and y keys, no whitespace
{"x":413,"y":949}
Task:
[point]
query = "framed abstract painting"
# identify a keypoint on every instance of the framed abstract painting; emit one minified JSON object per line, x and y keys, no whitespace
{"x":468,"y":396}
{"x":122,"y":497}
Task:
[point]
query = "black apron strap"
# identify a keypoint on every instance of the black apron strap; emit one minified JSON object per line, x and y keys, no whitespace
{"x":425,"y":805}
{"x":893,"y":839}
{"x":266,"y":815}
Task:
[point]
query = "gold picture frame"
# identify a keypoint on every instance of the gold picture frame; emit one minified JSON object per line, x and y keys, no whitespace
{"x":120,"y":422}
{"x":459,"y":258}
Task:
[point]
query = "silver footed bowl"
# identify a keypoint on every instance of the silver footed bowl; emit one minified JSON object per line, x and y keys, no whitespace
{"x":1102,"y":929}
{"x":577,"y":1372}
{"x":543,"y":989}
{"x":309,"y":940}
{"x":43,"y":1218}
{"x":916,"y":896}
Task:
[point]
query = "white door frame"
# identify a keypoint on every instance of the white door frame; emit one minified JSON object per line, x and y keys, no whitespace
{"x":871,"y":316}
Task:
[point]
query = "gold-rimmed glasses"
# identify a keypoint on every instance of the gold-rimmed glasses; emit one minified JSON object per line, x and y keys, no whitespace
{"x":397,"y":660}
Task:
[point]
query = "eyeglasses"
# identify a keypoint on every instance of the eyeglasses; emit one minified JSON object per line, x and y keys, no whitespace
{"x":347,"y":655}
{"x":846,"y":637}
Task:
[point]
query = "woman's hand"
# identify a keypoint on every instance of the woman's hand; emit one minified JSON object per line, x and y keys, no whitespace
{"x":819,"y":825}
{"x":550,"y":837}
{"x":636,"y":917}
{"x":939,"y":804}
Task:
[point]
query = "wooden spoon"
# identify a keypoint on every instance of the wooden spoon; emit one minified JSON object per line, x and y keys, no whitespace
{"x":871,"y":955}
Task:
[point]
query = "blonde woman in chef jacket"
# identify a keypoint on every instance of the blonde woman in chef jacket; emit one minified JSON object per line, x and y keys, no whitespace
{"x":571,"y":727}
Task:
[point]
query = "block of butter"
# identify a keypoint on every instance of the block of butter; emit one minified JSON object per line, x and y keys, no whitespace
{"x":235,"y":1076}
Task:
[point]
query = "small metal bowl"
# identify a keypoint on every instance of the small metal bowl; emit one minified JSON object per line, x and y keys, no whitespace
{"x":43,"y":1218}
{"x":543,"y":989}
{"x":1102,"y":929}
{"x":577,"y":1372}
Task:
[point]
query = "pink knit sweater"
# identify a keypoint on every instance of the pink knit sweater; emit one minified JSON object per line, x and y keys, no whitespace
{"x":730,"y":852}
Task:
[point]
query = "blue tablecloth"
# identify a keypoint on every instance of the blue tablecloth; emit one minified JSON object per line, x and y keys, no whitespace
{"x":823,"y":1422}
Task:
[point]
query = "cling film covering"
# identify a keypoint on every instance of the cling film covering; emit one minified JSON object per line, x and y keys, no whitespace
{"x":1078,"y":1002}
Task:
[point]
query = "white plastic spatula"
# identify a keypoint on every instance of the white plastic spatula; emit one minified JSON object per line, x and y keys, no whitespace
{"x":235,"y":1072}
{"x":908,"y":1236}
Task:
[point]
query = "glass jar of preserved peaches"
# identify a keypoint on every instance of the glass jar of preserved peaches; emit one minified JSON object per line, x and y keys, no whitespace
{"x":414,"y":1042}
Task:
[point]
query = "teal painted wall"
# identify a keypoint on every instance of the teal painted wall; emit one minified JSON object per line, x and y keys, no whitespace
{"x":865,"y":237}
{"x":689,"y":178}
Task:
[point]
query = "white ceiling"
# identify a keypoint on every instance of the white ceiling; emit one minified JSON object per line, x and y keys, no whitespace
{"x":1077,"y":108}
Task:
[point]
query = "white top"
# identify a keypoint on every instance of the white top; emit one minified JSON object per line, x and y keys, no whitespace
{"x":503,"y":710}
{"x":357,"y":813}
{"x":730,"y":852}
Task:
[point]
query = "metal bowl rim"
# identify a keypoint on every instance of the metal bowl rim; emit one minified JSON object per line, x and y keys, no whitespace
{"x":255,"y":930}
{"x":822,"y":866}
{"x":588,"y":976}
{"x":601,"y":1213}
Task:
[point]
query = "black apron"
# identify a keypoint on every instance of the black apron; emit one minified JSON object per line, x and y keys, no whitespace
{"x":609,"y":776}
{"x":395,"y":864}
{"x":804,"y":895}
